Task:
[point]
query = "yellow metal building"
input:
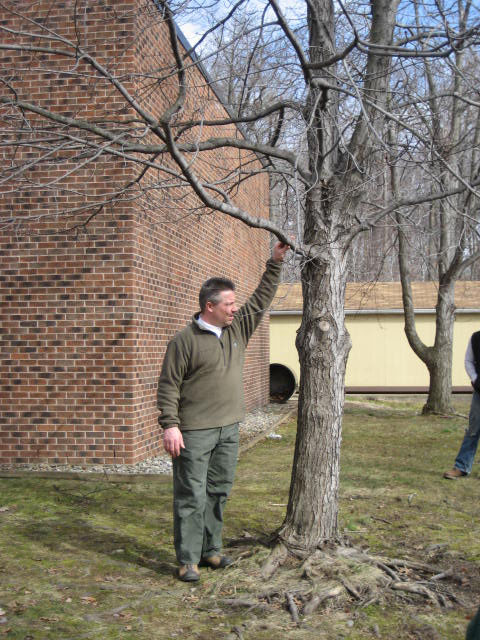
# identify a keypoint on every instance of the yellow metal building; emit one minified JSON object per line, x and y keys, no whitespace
{"x":381,"y":360}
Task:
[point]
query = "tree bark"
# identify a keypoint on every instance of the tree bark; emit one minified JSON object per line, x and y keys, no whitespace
{"x":440,"y":357}
{"x":323,"y":344}
{"x":440,"y":387}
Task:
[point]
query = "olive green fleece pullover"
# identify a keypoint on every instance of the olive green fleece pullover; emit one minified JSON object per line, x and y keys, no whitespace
{"x":201,"y":383}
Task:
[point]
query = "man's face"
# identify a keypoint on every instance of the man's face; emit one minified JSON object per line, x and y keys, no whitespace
{"x":221,"y":314}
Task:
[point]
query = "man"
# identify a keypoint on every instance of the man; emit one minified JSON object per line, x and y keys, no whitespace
{"x":200,"y":397}
{"x":464,"y":460}
{"x":473,"y":629}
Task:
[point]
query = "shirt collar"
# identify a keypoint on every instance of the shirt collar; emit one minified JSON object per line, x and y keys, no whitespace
{"x":209,"y":327}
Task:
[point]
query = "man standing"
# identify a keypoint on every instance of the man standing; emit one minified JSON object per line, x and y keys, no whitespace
{"x":464,"y":460}
{"x":200,"y":397}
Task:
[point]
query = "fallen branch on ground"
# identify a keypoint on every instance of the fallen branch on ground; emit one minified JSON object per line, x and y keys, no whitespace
{"x":244,"y":602}
{"x":292,"y":607}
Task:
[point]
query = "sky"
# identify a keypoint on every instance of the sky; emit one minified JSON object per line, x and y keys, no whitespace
{"x":193,"y":29}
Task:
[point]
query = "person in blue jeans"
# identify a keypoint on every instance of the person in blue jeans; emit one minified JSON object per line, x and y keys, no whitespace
{"x":464,"y":460}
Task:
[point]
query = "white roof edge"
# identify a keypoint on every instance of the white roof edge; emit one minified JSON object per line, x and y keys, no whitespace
{"x":367,"y":312}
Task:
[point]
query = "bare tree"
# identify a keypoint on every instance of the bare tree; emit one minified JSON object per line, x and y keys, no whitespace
{"x":250,"y":69}
{"x":342,"y":67}
{"x":437,"y":152}
{"x":436,"y":144}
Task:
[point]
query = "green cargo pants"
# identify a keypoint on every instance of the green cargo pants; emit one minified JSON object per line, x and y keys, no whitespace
{"x":202,"y":478}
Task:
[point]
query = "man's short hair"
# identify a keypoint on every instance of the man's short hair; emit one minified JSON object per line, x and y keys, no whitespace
{"x":211,"y":290}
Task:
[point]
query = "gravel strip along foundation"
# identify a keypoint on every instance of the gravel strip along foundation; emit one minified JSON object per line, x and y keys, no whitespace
{"x":258,"y":424}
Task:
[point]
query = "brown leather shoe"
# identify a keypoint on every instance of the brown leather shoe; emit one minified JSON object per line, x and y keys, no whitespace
{"x":215,"y":562}
{"x":188,"y":573}
{"x":454,"y":473}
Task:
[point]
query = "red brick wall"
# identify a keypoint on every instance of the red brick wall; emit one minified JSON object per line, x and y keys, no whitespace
{"x":85,"y":315}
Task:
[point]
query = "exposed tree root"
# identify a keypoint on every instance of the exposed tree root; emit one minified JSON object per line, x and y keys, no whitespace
{"x":451,"y":413}
{"x":318,"y":599}
{"x":342,"y":574}
{"x":448,"y":573}
{"x":275,"y":560}
{"x":292,"y":607}
{"x":414,"y":587}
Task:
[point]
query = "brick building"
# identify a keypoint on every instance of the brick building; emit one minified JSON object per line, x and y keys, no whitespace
{"x":90,"y":296}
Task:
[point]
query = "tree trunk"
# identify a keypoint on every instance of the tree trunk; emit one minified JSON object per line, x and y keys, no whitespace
{"x":323,"y":342}
{"x":440,"y":388}
{"x":323,"y":345}
{"x":437,"y":358}
{"x":440,"y":357}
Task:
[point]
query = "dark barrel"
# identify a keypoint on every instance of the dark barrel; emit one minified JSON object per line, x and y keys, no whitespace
{"x":282,"y":383}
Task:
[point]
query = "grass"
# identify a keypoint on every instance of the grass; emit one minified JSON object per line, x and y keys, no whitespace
{"x":95,"y":560}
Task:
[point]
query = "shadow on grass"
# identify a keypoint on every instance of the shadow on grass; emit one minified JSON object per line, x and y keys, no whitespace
{"x":81,"y":535}
{"x":259,"y":538}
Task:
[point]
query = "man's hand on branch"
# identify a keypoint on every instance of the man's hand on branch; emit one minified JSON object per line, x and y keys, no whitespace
{"x":279,"y":251}
{"x":173,"y":441}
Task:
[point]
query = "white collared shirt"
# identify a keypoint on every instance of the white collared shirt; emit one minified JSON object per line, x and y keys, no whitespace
{"x":209,"y":327}
{"x":470,"y":362}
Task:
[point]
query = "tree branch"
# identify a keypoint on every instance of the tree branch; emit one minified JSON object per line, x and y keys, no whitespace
{"x":225,"y":207}
{"x":293,"y":40}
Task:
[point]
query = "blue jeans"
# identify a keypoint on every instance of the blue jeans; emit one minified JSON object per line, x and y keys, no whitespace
{"x":468,"y":448}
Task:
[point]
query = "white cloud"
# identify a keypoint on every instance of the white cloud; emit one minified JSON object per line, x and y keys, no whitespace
{"x":191,"y":31}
